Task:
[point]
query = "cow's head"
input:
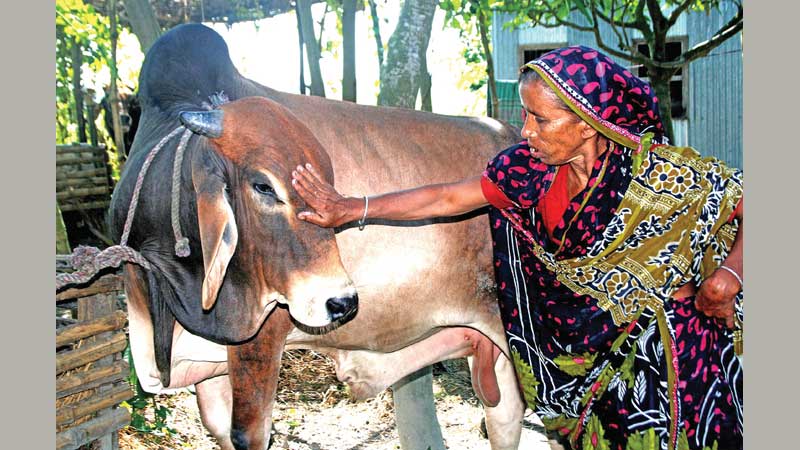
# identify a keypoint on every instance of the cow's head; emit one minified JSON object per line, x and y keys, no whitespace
{"x":247,"y":211}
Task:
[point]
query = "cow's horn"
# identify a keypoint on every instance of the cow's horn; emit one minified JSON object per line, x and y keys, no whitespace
{"x":205,"y":123}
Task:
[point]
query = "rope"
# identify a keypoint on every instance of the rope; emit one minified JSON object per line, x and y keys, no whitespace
{"x":87,"y":260}
{"x":181,"y":242}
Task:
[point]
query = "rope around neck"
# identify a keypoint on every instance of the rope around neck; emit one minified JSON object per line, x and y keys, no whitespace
{"x":87,"y":260}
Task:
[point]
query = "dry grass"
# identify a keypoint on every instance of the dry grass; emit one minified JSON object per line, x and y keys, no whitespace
{"x":313,"y":411}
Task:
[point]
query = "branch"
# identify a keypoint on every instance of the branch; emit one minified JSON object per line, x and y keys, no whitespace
{"x":623,"y":38}
{"x":635,"y":57}
{"x":611,"y":21}
{"x":658,"y":19}
{"x":536,"y":15}
{"x":677,"y":13}
{"x":727,"y":31}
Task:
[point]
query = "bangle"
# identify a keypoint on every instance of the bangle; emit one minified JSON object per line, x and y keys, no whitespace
{"x":362,"y":223}
{"x":733,"y":272}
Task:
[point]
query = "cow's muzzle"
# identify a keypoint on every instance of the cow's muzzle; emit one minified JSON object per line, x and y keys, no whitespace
{"x":341,"y":309}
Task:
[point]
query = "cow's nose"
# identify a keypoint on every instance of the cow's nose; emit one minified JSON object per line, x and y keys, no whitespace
{"x":339,"y":307}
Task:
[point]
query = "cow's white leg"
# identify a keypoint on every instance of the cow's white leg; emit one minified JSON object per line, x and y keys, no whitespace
{"x":214,"y":399}
{"x":369,"y":373}
{"x":415,"y":412}
{"x":504,"y":421}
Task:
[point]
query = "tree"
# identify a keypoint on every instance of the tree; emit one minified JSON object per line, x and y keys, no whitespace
{"x":402,"y":74}
{"x":652,"y":18}
{"x":143,"y":22}
{"x":469,"y":16}
{"x":306,"y":22}
{"x":349,"y":50}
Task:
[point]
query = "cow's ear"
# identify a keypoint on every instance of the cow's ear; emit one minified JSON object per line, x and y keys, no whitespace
{"x":218,"y":231}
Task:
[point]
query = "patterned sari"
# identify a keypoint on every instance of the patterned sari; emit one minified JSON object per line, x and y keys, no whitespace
{"x":604,"y":354}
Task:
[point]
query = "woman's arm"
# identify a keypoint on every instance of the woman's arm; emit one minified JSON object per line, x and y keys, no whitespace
{"x":330,"y":209}
{"x":716,"y":295}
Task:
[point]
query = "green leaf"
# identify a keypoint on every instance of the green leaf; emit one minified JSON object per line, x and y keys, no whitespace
{"x":563,"y":10}
{"x":581,"y":5}
{"x":575,"y":365}
{"x":643,"y":440}
{"x":593,"y":436}
{"x":527,"y":379}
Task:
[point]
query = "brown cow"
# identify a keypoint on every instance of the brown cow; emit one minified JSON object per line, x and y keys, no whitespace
{"x":426,"y":290}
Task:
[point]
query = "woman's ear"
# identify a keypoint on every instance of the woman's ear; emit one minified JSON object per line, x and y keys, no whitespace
{"x":587,"y":131}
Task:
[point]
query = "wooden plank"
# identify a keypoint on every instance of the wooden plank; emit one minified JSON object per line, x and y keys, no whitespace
{"x":81,"y":192}
{"x":81,"y":182}
{"x":73,"y":438}
{"x":63,"y":161}
{"x":67,"y":414}
{"x":106,"y":283}
{"x":79,"y":148}
{"x":81,"y":381}
{"x":65,"y":174}
{"x":91,"y":352}
{"x":100,"y":204}
{"x":109,"y":322}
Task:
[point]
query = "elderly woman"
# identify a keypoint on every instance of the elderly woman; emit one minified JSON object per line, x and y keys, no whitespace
{"x":618,"y":260}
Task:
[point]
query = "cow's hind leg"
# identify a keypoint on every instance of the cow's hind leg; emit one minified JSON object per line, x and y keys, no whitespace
{"x":253,"y":368}
{"x":415,"y":412}
{"x":504,"y":421}
{"x":214,"y":399}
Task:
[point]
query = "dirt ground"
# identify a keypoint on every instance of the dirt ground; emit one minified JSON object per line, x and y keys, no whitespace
{"x":314,"y":412}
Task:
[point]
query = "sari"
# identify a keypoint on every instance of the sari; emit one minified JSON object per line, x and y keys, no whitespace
{"x":604,"y":354}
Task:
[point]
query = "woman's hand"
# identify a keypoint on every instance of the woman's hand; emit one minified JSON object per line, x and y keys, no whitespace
{"x":330,"y":209}
{"x":716,"y":295}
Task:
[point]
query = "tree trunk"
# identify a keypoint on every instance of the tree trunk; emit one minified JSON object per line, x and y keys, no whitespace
{"x":426,"y":102}
{"x":143,"y":22}
{"x":402,"y":73}
{"x":119,"y":140}
{"x":659,"y":79}
{"x":77,"y":91}
{"x":302,"y":54}
{"x":376,"y":29}
{"x":487,"y":53}
{"x":349,"y":49}
{"x":62,"y":242}
{"x":312,"y":50}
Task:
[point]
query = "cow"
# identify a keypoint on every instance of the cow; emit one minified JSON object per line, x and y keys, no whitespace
{"x":258,"y":280}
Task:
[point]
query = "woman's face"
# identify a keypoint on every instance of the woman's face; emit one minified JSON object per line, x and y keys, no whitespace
{"x":556,"y":136}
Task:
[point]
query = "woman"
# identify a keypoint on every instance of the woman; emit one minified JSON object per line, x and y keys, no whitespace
{"x":618,"y":260}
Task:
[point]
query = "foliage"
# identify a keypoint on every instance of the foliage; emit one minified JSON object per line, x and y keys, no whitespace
{"x":461,"y":16}
{"x":76,"y":23}
{"x":141,"y":401}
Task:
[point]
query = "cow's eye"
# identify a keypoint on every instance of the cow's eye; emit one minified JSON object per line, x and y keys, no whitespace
{"x":263,"y":188}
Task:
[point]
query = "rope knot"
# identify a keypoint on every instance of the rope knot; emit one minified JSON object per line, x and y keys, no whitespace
{"x":182,"y":247}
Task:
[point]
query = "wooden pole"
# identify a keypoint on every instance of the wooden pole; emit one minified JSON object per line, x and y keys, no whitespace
{"x":67,"y":414}
{"x":72,"y":333}
{"x":77,"y":91}
{"x":114,"y":95}
{"x":82,"y":381}
{"x":84,"y":433}
{"x":106,"y":283}
{"x":90,"y":353}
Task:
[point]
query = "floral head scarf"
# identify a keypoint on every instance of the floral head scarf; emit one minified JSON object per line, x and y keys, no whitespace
{"x":603,"y":93}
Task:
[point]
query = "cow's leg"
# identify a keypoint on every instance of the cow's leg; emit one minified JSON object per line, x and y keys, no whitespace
{"x":415,"y":412}
{"x":504,"y":421}
{"x":368,"y":373}
{"x":253,"y":368}
{"x":214,"y":399}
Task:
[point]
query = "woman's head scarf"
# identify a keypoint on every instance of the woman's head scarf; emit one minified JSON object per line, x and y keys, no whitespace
{"x":610,"y":98}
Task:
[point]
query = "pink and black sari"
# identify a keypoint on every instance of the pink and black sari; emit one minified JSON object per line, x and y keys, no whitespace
{"x":603,"y":352}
